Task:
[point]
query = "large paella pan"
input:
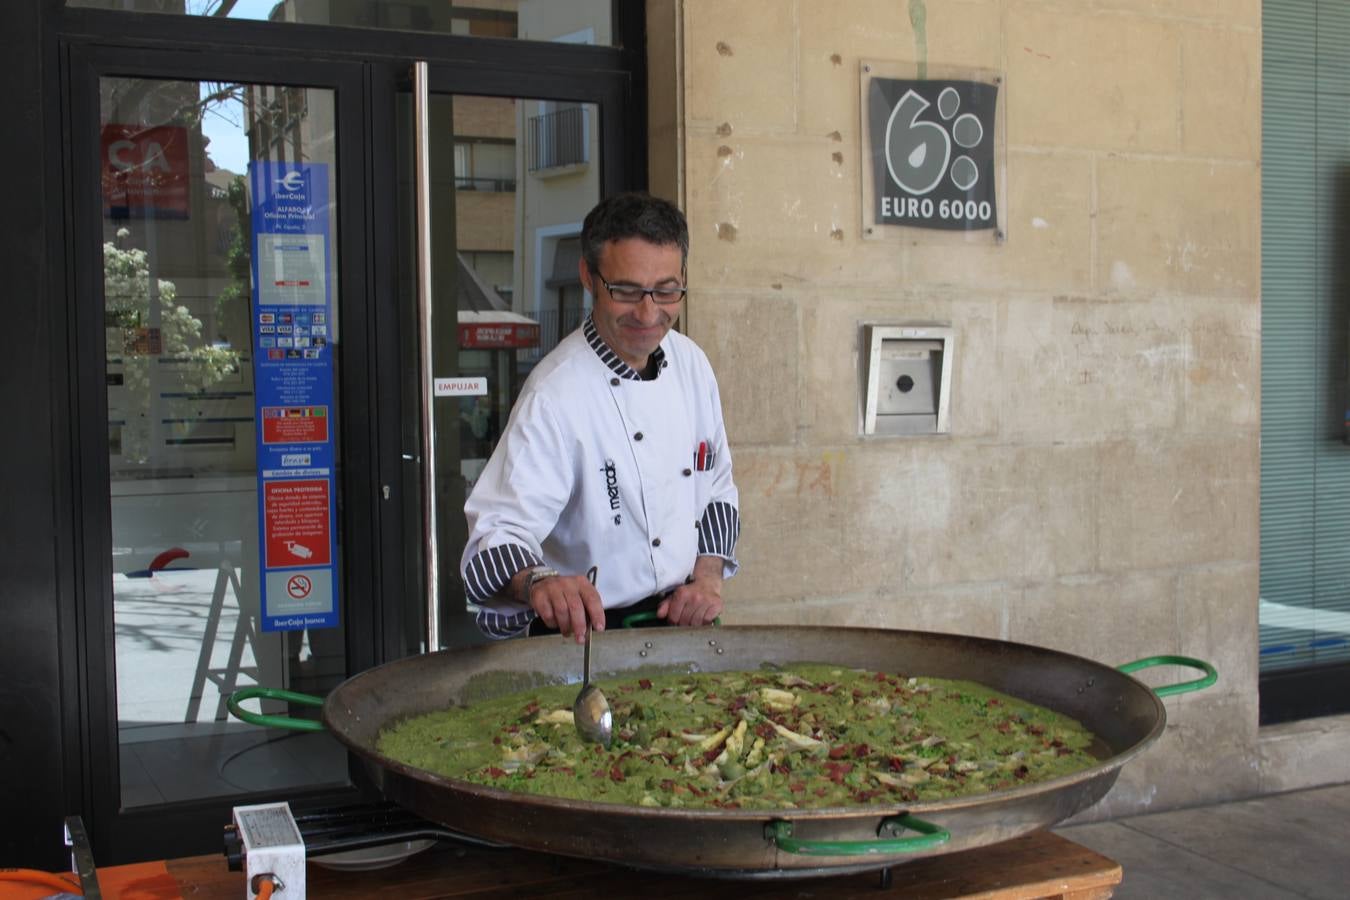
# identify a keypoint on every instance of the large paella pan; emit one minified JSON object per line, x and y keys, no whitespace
{"x":1122,"y":712}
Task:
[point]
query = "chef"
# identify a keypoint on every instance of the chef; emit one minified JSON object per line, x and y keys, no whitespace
{"x":615,"y":455}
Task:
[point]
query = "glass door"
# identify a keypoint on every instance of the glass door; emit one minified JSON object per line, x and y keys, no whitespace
{"x":305,"y":289}
{"x":508,"y":182}
{"x":218,"y":257}
{"x":221,"y":338}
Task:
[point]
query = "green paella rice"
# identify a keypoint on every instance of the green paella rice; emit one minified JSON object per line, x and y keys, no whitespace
{"x":811,"y":736}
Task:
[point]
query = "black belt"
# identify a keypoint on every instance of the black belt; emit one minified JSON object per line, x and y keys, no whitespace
{"x":614,"y":617}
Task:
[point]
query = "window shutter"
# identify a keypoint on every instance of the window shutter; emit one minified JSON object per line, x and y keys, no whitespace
{"x":1305,"y":305}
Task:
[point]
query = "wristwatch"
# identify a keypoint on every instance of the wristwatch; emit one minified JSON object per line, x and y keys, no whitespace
{"x":538,"y":573}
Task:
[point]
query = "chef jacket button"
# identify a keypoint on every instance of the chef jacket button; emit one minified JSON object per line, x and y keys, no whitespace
{"x":614,"y":382}
{"x":656,"y":542}
{"x":638,"y":436}
{"x":688,"y":472}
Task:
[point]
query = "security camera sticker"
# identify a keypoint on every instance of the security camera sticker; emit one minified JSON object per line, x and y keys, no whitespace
{"x":933,"y":153}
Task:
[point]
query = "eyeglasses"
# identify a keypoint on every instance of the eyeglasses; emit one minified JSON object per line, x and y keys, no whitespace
{"x":632,"y":293}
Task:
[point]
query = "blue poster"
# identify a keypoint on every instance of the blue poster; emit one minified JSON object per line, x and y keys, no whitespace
{"x":293,"y":391}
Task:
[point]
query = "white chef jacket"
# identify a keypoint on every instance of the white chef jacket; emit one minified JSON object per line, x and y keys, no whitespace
{"x":597,"y":467}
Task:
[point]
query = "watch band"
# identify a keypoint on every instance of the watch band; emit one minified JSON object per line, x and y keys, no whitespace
{"x":538,"y":573}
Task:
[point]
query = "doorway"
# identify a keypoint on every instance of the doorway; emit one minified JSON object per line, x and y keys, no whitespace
{"x":251,"y":367}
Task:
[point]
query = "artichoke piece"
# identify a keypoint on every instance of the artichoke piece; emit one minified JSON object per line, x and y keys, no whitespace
{"x":526,"y":755}
{"x":736,"y":743}
{"x":904,"y":779}
{"x":712,"y":741}
{"x":778,"y":700}
{"x":556,"y":717}
{"x":797,"y":741}
{"x":787,"y":679}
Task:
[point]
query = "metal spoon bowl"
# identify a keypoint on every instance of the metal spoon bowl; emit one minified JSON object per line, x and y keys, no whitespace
{"x":590,"y":711}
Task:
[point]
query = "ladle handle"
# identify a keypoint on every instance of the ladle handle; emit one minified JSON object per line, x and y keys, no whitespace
{"x":779,"y":833}
{"x":586,"y":658}
{"x":586,"y":650}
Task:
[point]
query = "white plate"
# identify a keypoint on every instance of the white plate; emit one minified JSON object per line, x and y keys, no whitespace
{"x":368,"y":858}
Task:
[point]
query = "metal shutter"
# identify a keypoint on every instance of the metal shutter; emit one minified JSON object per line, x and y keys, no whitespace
{"x":1305,"y":305}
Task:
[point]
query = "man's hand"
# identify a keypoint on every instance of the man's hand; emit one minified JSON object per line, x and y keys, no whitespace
{"x":699,"y":601}
{"x":565,"y":602}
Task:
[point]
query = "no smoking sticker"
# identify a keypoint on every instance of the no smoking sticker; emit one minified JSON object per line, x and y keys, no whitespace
{"x":299,"y":598}
{"x":299,"y":586}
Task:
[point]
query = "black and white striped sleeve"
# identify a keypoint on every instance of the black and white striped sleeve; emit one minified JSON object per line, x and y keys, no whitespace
{"x":513,"y":506}
{"x":719,"y":526}
{"x":718,"y":530}
{"x":500,"y":625}
{"x":489,"y":571}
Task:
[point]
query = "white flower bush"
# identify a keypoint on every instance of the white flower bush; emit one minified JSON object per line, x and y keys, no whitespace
{"x":185,"y":363}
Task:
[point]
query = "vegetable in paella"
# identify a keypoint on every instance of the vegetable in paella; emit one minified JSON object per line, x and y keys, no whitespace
{"x":809,"y":736}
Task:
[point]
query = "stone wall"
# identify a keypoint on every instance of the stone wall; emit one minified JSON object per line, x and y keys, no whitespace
{"x":1099,"y":490}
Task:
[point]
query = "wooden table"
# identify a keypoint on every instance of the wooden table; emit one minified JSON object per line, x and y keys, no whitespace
{"x":1039,"y":865}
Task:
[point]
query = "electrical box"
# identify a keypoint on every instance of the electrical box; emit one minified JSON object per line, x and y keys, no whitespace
{"x":907,"y":377}
{"x":273,"y":849}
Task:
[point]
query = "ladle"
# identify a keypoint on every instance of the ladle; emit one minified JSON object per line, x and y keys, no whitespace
{"x":590,"y":711}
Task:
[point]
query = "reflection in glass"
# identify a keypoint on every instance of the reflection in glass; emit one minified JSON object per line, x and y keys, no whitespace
{"x":536,"y":20}
{"x":505,"y":225}
{"x":177,"y":233}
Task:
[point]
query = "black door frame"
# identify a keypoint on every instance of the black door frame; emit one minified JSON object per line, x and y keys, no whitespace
{"x":364,"y":68}
{"x":115,"y":831}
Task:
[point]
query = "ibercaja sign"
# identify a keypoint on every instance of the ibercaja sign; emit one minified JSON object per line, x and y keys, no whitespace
{"x":931,"y":144}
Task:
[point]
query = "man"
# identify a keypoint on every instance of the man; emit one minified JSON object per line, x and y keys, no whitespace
{"x":615,"y":455}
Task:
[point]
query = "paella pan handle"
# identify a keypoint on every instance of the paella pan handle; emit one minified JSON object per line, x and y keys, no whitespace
{"x":274,"y":721}
{"x":779,"y":833}
{"x":1185,"y":687}
{"x":636,"y":618}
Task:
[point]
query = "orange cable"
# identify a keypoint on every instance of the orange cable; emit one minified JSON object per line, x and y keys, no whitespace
{"x":265,"y":887}
{"x":45,"y":879}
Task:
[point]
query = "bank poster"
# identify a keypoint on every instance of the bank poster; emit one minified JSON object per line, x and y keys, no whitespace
{"x":293,"y":389}
{"x":145,"y":173}
{"x":932,"y":148}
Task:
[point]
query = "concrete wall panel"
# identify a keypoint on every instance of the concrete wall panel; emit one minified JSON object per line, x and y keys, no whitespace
{"x":1099,"y":489}
{"x":1079,"y":79}
{"x":1169,"y":225}
{"x":741,"y":65}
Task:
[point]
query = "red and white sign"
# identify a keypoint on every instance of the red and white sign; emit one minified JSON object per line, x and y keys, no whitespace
{"x":295,"y":523}
{"x":145,"y":170}
{"x":498,"y":335}
{"x":295,"y":424}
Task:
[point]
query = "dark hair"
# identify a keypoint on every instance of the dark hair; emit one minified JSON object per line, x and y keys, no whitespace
{"x":633,"y":215}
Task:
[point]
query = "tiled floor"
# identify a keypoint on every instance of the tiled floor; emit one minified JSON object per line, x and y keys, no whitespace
{"x":1279,"y":846}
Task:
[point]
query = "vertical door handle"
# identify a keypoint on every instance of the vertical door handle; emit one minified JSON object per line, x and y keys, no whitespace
{"x":426,"y":373}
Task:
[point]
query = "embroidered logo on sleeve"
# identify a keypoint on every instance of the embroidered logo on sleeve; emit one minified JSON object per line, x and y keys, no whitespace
{"x":612,"y":488}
